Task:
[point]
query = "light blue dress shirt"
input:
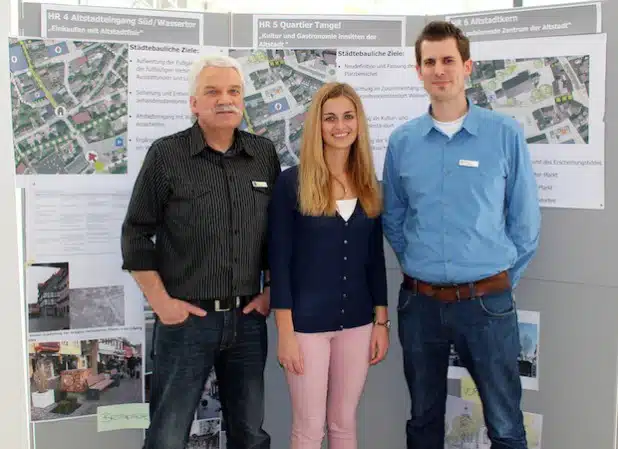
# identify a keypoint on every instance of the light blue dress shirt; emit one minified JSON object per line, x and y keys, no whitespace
{"x":463,"y":208}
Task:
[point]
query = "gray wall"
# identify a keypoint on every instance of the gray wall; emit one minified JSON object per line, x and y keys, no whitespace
{"x":573,"y":284}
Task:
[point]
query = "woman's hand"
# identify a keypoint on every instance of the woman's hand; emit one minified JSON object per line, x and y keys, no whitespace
{"x":379,"y":344}
{"x":288,"y":353}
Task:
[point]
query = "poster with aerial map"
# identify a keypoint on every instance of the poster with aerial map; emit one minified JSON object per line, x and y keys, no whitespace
{"x":69,"y":107}
{"x":554,"y":88}
{"x":549,"y":96}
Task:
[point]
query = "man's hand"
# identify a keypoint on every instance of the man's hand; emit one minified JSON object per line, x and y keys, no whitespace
{"x":260,"y":303}
{"x":173,"y":311}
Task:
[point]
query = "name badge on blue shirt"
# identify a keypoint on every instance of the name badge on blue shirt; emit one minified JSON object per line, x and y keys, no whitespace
{"x":467,"y":163}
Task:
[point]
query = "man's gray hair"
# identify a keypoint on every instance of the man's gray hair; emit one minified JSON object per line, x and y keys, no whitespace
{"x":212,"y":61}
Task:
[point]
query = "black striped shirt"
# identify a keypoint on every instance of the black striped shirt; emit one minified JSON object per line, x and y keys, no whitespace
{"x":198,"y":216}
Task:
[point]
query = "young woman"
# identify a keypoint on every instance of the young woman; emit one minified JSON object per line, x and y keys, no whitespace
{"x":327,"y":270}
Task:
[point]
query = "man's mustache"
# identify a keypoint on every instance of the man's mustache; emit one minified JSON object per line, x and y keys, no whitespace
{"x":226,"y":108}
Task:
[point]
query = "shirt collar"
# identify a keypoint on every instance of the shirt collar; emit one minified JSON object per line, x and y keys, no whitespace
{"x":470,"y":123}
{"x":198,"y":144}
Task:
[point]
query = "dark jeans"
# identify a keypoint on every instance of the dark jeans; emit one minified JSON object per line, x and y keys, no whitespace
{"x":486,"y":337}
{"x":184,"y":354}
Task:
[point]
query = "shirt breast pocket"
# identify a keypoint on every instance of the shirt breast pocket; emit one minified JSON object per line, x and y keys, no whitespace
{"x":190,"y":202}
{"x":261,"y":199}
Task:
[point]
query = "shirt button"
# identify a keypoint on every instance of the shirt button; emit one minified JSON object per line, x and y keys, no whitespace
{"x":341,"y":327}
{"x":345,"y":278}
{"x":345,"y":295}
{"x":346,"y":223}
{"x":345,"y":242}
{"x":342,"y":311}
{"x":345,"y":257}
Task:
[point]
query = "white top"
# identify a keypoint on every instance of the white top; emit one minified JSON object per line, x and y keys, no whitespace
{"x":346,"y":208}
{"x":450,"y":128}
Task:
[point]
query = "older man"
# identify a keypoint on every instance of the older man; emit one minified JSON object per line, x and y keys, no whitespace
{"x":194,"y":240}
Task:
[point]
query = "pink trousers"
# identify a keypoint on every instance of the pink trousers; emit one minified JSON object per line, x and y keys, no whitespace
{"x":329,"y":390}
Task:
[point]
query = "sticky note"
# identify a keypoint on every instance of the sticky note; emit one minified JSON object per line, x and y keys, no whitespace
{"x":469,"y":391}
{"x":122,"y":416}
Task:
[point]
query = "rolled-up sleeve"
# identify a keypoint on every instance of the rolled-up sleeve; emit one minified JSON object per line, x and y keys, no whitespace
{"x":376,"y":268}
{"x":280,"y":243}
{"x":144,"y":215}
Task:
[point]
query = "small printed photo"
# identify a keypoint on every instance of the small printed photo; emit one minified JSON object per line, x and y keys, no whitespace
{"x":529,"y":348}
{"x":205,"y":434}
{"x":54,"y":306}
{"x":149,"y":324}
{"x":528,"y":358}
{"x":147,"y":380}
{"x":456,"y":369}
{"x":73,"y":378}
{"x":47,"y":297}
{"x":96,"y":307}
{"x":209,"y":406}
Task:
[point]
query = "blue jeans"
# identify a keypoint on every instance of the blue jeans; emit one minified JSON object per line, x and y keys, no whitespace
{"x":184,"y":354}
{"x":486,"y":336}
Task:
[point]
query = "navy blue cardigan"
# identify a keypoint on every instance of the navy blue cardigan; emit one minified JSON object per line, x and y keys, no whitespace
{"x":329,"y":272}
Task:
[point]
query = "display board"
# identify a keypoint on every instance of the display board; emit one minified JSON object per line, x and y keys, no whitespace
{"x":92,"y":88}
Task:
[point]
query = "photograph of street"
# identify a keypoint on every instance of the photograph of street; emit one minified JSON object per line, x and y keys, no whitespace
{"x":47,"y":296}
{"x":73,"y":378}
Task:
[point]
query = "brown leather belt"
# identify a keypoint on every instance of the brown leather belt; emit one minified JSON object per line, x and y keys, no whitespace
{"x":456,"y":292}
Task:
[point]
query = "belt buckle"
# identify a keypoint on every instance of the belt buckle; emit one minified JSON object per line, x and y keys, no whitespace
{"x":218,"y":307}
{"x":227,"y":309}
{"x":455,"y":286}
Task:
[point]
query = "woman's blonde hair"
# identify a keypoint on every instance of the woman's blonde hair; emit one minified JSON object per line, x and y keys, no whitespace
{"x":314,"y":178}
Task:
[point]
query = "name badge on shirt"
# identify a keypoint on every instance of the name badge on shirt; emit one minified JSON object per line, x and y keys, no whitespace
{"x":467,"y":163}
{"x":259,"y":183}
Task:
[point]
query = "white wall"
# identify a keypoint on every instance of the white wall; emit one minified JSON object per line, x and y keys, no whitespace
{"x":14,"y":412}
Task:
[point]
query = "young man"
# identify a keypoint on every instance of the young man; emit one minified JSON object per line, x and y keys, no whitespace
{"x":203,"y":195}
{"x":462,"y":215}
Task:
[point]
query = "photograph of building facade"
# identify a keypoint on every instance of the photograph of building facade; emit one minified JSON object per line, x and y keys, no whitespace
{"x":49,"y":309}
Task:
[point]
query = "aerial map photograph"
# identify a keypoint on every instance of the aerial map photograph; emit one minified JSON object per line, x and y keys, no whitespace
{"x":548,"y":96}
{"x":69,"y":106}
{"x":279,"y":86}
